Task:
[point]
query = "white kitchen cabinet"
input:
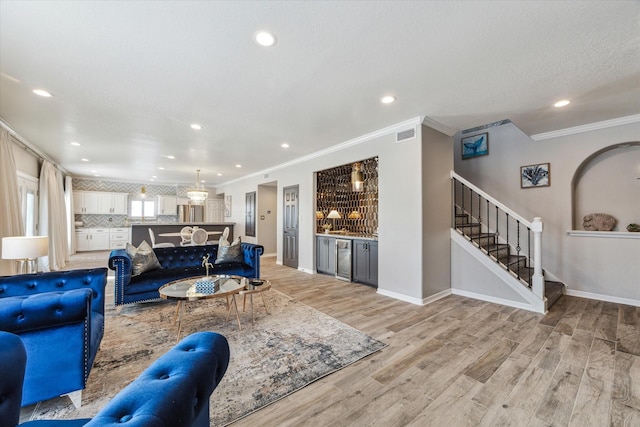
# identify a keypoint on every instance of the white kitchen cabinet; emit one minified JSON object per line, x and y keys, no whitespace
{"x":118,"y":237}
{"x":215,"y":210}
{"x":167,"y":205}
{"x":99,"y":202}
{"x":92,"y":239}
{"x":85,"y":202}
{"x":113,"y":203}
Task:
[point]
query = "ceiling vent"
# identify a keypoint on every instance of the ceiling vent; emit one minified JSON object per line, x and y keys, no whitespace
{"x":405,"y":135}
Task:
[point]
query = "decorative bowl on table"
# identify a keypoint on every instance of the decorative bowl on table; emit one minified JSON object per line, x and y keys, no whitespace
{"x":253,"y":284}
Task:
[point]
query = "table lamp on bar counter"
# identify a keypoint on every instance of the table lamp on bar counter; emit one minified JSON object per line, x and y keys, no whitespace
{"x":25,"y":250}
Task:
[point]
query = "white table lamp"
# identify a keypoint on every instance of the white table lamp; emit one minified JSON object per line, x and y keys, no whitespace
{"x":25,"y":250}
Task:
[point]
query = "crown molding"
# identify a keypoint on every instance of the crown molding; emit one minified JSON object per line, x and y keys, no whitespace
{"x":433,"y":124}
{"x":338,"y":147}
{"x":587,"y":128}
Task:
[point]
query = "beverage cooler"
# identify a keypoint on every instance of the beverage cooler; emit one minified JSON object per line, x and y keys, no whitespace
{"x":343,"y":259}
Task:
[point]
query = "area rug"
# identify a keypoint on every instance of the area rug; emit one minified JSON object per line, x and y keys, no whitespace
{"x":283,"y":352}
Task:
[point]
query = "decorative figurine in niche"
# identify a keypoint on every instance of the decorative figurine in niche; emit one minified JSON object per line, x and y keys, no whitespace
{"x":633,"y":228}
{"x":599,"y":222}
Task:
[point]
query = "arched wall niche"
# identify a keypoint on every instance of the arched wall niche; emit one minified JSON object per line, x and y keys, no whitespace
{"x":608,"y":182}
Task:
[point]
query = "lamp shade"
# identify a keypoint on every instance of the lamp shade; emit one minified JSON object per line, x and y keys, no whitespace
{"x":25,"y":247}
{"x":334,"y":214}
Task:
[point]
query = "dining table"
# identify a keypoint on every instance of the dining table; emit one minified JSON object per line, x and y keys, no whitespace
{"x":178,"y":234}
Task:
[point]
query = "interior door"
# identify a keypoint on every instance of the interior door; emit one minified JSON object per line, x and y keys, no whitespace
{"x":290,"y":229}
{"x":250,"y":214}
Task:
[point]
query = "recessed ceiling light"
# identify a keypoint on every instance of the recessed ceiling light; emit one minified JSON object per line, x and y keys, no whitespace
{"x":160,"y":168}
{"x":84,"y":160}
{"x":96,"y":175}
{"x":196,"y":126}
{"x":151,"y":180}
{"x":285,"y":145}
{"x":238,"y":166}
{"x":153,"y":176}
{"x":264,"y":38}
{"x":387,"y":99}
{"x":94,"y":171}
{"x":219,"y":174}
{"x":562,"y":103}
{"x":75,"y":144}
{"x":169,"y":156}
{"x":42,"y":92}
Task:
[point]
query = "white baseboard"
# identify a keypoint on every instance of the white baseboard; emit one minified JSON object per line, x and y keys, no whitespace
{"x":269,"y":255}
{"x":495,"y":300}
{"x":400,"y":297}
{"x":601,"y":297}
{"x":306,"y":270}
{"x":436,"y":297}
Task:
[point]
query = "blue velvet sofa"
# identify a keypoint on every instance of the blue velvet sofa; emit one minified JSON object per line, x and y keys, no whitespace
{"x":174,"y":391}
{"x":60,"y":318}
{"x":176,"y":263}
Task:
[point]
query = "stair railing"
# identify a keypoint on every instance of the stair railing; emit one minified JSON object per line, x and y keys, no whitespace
{"x":491,"y":216}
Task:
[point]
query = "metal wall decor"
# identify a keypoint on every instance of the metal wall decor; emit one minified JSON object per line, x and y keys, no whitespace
{"x":358,"y":209}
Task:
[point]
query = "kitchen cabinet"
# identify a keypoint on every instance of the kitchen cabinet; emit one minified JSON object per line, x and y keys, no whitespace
{"x":215,"y":210}
{"x":118,"y":237}
{"x":85,"y":202}
{"x":326,"y":255}
{"x":92,"y":239}
{"x":167,"y":205}
{"x":365,"y":262}
{"x":112,"y":203}
{"x":99,"y":203}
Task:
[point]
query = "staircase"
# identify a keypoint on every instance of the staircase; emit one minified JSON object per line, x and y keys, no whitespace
{"x":503,"y":236}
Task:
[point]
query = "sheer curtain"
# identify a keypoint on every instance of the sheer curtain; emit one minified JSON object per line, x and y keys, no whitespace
{"x":71,"y":224}
{"x":10,"y":217}
{"x":53,"y":217}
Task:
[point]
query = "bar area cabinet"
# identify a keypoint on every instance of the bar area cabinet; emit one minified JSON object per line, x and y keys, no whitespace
{"x":326,"y":255}
{"x":365,"y":262}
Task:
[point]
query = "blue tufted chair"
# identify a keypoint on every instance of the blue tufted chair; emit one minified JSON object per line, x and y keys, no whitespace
{"x":174,"y":391}
{"x":60,"y":318}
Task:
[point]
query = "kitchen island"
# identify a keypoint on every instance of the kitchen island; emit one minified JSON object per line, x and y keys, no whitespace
{"x":140,"y":231}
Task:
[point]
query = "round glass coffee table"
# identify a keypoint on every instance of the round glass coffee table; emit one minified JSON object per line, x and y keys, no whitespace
{"x":183,"y":290}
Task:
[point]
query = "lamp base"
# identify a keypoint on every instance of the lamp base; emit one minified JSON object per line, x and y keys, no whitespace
{"x":27,"y":265}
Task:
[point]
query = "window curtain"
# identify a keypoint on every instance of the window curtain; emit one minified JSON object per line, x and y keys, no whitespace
{"x":53,"y":218}
{"x":71,"y":224}
{"x":10,"y":217}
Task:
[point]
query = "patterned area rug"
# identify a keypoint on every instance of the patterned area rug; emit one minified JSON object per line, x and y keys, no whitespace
{"x":283,"y":352}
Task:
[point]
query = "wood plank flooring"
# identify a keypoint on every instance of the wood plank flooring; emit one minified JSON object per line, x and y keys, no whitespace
{"x":459,"y":362}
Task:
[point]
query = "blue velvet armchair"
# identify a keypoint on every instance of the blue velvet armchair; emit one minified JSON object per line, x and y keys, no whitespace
{"x":60,"y":318}
{"x":173,"y":392}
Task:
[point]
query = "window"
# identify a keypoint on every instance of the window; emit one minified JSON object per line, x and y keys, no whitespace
{"x":143,"y":209}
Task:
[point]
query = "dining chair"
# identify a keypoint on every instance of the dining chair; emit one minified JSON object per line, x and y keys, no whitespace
{"x":185,"y":235}
{"x":199,"y":237}
{"x":152,"y":236}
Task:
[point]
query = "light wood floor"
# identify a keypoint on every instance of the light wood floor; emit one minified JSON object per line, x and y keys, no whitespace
{"x":460,"y":361}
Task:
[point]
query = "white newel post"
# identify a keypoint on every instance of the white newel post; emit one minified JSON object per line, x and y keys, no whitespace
{"x":538,"y":278}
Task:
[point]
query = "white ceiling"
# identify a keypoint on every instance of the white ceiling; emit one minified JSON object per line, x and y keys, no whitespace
{"x":128,"y":78}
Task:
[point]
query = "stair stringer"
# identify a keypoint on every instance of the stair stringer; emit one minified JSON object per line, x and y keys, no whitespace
{"x":510,"y":291}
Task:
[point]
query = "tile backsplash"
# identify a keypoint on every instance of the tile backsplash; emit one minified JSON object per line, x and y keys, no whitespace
{"x":152,"y":190}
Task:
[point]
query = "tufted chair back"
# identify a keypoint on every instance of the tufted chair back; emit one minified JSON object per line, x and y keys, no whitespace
{"x":13,"y":359}
{"x":57,"y":281}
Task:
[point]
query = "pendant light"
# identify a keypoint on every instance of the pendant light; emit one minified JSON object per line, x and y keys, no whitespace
{"x":357,"y":178}
{"x":197,"y":195}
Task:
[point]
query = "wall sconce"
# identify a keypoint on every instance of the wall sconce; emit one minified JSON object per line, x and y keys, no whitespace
{"x":354,"y":215}
{"x":319,"y":215}
{"x":143,"y":192}
{"x":25,"y":250}
{"x":357,"y":177}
